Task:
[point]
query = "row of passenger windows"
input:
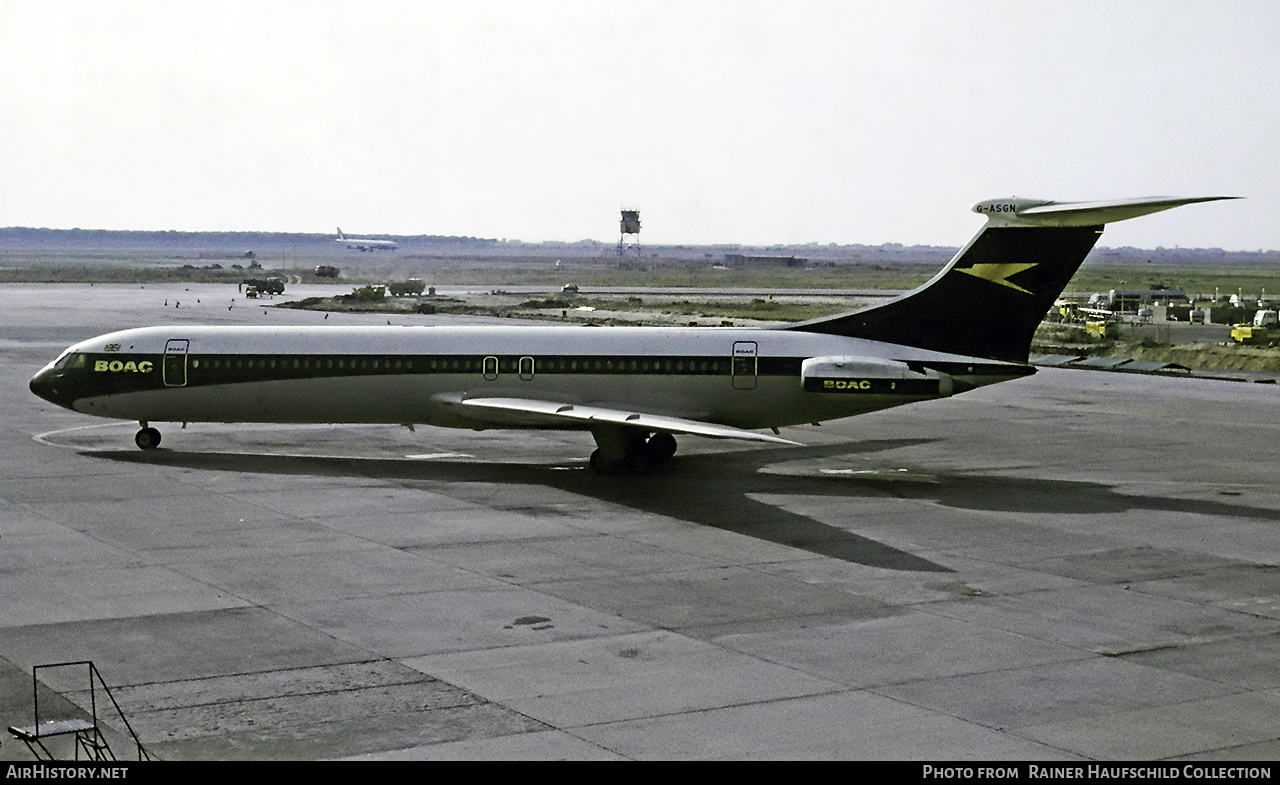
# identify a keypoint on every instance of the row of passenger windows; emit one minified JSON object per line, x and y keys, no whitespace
{"x":524,"y":365}
{"x":345,"y":363}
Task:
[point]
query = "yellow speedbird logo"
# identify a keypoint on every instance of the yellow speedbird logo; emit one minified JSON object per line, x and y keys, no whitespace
{"x":998,"y":273}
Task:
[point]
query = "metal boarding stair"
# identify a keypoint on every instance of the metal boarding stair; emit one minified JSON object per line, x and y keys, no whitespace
{"x":88,"y":735}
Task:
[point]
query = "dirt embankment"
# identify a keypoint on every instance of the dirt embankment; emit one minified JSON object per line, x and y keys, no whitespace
{"x":1072,"y":339}
{"x":1206,"y":355}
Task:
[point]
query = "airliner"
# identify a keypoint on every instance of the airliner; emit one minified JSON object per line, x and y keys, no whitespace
{"x":633,"y":388}
{"x":366,"y":245}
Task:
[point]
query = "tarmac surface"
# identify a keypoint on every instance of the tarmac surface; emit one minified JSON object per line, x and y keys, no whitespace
{"x":1075,"y":565}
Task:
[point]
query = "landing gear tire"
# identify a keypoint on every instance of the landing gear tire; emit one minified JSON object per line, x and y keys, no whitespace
{"x":661,"y":446}
{"x":147,"y":439}
{"x":641,"y":463}
{"x":627,"y":465}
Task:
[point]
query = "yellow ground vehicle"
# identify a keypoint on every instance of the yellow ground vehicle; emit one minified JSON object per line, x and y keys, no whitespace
{"x":1249,"y":334}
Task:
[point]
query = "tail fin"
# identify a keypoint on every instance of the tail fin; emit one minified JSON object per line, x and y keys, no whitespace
{"x":988,"y":301}
{"x":340,"y":237}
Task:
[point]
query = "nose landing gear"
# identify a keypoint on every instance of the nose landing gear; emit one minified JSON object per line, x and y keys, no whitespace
{"x":148,"y":438}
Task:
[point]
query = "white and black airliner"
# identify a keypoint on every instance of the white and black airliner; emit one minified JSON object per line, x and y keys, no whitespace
{"x":365,"y":244}
{"x":633,"y":388}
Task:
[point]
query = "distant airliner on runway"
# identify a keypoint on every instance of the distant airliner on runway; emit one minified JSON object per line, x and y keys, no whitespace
{"x":633,"y":388}
{"x":366,"y":245}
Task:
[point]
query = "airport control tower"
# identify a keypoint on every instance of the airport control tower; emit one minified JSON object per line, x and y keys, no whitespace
{"x":630,"y":226}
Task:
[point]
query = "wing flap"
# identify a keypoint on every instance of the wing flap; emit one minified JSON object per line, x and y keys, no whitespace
{"x":579,"y":414}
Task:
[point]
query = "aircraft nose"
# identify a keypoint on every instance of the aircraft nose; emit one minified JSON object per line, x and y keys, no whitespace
{"x":43,"y":385}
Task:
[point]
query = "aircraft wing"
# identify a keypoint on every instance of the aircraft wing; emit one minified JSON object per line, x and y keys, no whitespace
{"x":578,"y":415}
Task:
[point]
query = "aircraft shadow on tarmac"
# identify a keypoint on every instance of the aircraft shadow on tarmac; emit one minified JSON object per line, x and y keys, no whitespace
{"x":716,"y":490}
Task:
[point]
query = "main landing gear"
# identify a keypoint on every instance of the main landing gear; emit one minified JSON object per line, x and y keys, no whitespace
{"x":621,"y":452}
{"x":148,"y":438}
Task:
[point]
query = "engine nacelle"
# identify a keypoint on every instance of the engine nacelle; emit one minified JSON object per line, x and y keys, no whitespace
{"x":872,"y":376}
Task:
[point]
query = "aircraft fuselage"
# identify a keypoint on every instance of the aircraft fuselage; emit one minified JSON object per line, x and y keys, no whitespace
{"x":421,"y":375}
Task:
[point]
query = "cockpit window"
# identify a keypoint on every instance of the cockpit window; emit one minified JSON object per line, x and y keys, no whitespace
{"x":69,"y":360}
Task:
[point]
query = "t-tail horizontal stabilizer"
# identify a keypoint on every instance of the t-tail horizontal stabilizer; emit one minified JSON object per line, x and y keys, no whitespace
{"x":988,"y":301}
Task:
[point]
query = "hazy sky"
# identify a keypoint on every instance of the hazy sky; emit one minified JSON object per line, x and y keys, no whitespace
{"x":735,"y":121}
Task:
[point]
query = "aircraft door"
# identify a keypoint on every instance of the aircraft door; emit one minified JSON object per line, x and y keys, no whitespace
{"x":526,"y":368}
{"x":742,"y":366}
{"x":173,"y":370}
{"x":490,"y":368}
